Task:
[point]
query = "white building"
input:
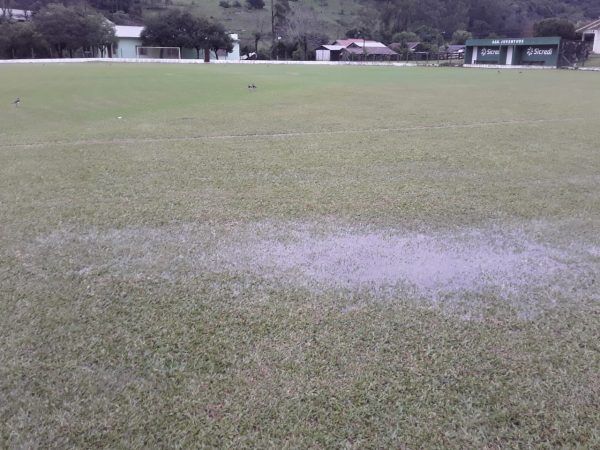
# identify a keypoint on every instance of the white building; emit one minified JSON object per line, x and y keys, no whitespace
{"x":129,"y":39}
{"x":16,"y":15}
{"x":591,"y":33}
{"x":329,"y":52}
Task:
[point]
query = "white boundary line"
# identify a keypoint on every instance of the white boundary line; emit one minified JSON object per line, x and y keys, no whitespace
{"x":503,"y":66}
{"x":290,"y":134}
{"x":200,"y":61}
{"x":274,"y":62}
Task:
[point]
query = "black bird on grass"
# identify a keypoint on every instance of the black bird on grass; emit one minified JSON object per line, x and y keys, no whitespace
{"x":17,"y":102}
{"x":251,"y":87}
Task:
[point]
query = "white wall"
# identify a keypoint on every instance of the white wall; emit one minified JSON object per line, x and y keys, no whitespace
{"x":126,"y":48}
{"x":323,"y":55}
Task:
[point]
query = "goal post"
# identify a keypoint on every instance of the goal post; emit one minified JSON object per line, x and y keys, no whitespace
{"x":158,"y":52}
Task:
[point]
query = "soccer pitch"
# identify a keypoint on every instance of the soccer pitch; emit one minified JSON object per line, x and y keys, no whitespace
{"x":357,"y":257}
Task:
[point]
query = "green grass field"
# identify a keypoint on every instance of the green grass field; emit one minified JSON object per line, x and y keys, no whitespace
{"x":593,"y":61}
{"x":356,"y":257}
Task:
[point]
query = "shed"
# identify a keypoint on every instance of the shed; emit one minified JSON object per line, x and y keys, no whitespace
{"x":591,"y":33}
{"x":128,"y":40}
{"x":329,"y":52}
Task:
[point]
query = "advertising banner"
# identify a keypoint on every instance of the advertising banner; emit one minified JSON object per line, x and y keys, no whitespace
{"x":488,"y":54}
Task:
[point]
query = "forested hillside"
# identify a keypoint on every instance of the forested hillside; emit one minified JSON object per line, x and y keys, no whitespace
{"x":317,"y":20}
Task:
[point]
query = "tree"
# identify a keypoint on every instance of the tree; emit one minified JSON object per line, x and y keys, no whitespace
{"x":404,"y":37}
{"x":99,"y":33}
{"x":281,"y":11}
{"x":61,"y":27}
{"x":259,"y":32}
{"x":255,"y":4}
{"x":460,"y":37}
{"x":358,"y":33}
{"x":21,"y":40}
{"x":194,"y":33}
{"x":69,"y":28}
{"x":304,"y":29}
{"x":257,"y":36}
{"x":218,"y":38}
{"x":554,"y":27}
{"x":113,"y":6}
{"x":7,"y":40}
{"x":182,"y":29}
{"x":164,"y":30}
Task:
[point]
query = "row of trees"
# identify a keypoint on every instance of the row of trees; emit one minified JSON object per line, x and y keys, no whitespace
{"x":291,"y":32}
{"x":296,"y":29}
{"x":480,"y":17}
{"x":181,"y":29}
{"x":434,"y":21}
{"x":57,"y":31}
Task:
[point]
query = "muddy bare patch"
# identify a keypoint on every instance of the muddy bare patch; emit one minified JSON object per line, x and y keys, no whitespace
{"x":518,"y":263}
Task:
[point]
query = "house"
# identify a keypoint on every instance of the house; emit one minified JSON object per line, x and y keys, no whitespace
{"x":591,"y":33}
{"x":329,"y":53}
{"x":129,"y":40}
{"x":354,"y":49}
{"x":15,"y":15}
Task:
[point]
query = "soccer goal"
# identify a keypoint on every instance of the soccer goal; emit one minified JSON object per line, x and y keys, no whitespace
{"x":158,"y":52}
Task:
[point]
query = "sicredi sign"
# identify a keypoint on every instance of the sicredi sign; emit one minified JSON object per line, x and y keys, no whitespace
{"x":491,"y":54}
{"x":490,"y":51}
{"x":533,"y":53}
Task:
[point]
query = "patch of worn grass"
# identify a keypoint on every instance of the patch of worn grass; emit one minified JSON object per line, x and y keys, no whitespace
{"x":101,"y":345}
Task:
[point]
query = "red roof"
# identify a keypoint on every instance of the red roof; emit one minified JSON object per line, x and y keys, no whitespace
{"x":370,"y":51}
{"x":359,"y":42}
{"x":346,"y":42}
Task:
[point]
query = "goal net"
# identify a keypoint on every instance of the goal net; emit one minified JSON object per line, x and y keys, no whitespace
{"x":158,"y":52}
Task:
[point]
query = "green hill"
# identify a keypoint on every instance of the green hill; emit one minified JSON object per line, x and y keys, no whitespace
{"x":380,"y":19}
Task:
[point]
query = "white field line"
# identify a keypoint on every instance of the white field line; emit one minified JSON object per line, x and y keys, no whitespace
{"x":200,"y":61}
{"x":293,"y":133}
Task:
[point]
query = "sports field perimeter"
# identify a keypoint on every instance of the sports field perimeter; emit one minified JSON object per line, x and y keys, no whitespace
{"x":346,"y":257}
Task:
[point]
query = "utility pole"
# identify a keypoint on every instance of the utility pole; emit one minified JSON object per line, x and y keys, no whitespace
{"x":364,"y":48}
